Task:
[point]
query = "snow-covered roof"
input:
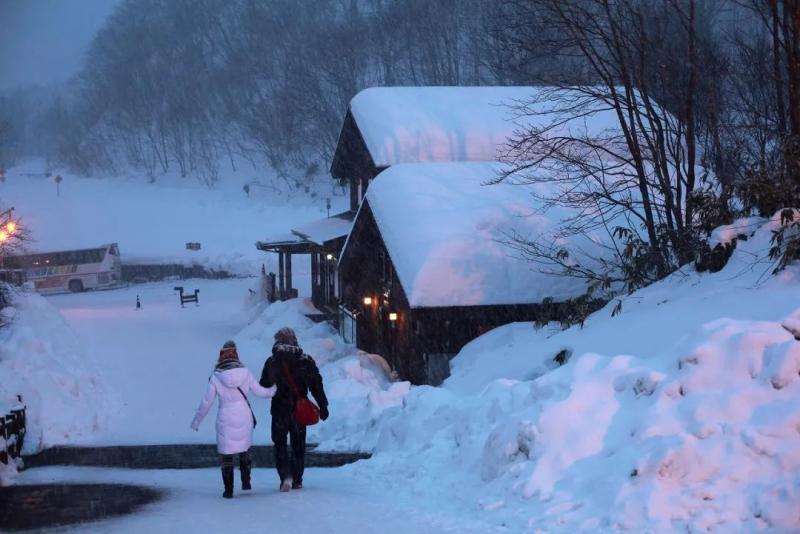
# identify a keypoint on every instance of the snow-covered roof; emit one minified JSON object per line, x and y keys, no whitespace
{"x":446,"y":234}
{"x":326,"y":229}
{"x":317,"y":232}
{"x":419,"y":124}
{"x":276,"y":240}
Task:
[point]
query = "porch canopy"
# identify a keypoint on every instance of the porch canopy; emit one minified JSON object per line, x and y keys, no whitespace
{"x":323,"y":236}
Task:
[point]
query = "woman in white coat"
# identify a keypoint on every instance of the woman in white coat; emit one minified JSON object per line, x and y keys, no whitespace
{"x":231,"y":382}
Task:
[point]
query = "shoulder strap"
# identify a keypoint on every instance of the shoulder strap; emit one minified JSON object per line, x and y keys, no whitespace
{"x":289,"y":377}
{"x":248,"y":405}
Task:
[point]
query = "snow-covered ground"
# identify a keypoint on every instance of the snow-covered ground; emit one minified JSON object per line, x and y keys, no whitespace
{"x":155,"y":360}
{"x":153,"y":222}
{"x":331,"y":501}
{"x":103,"y":372}
{"x":678,"y":413}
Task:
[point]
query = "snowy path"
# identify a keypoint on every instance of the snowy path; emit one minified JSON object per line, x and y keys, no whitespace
{"x":157,"y":359}
{"x":331,"y":502}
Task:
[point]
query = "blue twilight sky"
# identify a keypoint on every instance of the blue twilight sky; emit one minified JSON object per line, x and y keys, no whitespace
{"x":44,"y":41}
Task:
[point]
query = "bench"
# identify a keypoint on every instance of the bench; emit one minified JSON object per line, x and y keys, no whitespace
{"x":191,"y":297}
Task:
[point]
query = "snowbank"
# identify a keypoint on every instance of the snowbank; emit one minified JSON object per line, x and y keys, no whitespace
{"x":42,"y":360}
{"x":680,"y":413}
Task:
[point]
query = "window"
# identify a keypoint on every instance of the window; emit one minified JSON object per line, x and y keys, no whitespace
{"x":386,"y":269}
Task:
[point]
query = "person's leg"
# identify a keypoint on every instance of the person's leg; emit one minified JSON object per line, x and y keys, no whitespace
{"x":245,"y":463}
{"x":227,"y":475}
{"x":280,"y":430}
{"x":298,"y":435}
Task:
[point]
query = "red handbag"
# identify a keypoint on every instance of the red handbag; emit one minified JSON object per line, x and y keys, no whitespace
{"x":305,"y":412}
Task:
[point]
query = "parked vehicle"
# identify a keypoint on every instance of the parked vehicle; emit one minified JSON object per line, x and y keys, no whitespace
{"x":72,"y":270}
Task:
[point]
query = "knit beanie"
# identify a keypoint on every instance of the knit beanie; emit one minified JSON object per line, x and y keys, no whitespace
{"x":228,"y":351}
{"x":286,"y":336}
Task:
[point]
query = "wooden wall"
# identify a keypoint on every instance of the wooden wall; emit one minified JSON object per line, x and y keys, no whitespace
{"x":352,"y":162}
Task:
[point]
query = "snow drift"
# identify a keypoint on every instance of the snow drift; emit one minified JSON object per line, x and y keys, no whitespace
{"x":42,"y":360}
{"x":678,"y":414}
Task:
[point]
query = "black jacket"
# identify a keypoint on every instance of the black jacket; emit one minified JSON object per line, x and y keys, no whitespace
{"x":304,"y":372}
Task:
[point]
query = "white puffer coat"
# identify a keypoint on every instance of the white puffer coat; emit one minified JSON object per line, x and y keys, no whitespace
{"x":234,"y":420}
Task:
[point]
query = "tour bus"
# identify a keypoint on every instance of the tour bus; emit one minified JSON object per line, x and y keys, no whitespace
{"x":72,"y":270}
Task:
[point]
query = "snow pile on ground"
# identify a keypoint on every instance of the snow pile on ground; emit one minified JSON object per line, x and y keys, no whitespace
{"x":42,"y":360}
{"x":153,"y":222}
{"x":680,"y":413}
{"x":357,"y":384}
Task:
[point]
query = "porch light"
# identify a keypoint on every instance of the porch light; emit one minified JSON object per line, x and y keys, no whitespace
{"x":392,"y":316}
{"x":367,"y":301}
{"x":329,"y":256}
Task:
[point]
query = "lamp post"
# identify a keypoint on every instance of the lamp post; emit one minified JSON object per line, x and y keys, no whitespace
{"x":58,"y":179}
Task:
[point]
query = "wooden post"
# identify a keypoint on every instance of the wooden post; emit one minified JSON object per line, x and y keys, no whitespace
{"x":281,"y":277}
{"x":288,"y":271}
{"x":314,"y":277}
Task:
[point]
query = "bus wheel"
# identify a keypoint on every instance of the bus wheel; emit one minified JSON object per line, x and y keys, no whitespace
{"x":76,"y":286}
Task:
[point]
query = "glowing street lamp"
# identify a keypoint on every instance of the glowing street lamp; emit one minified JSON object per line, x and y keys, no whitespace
{"x":367,"y":301}
{"x":393,"y":316}
{"x":329,"y":257}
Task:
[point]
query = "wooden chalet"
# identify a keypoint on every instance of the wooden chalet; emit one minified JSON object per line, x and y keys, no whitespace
{"x":385,"y":126}
{"x":425,"y":270}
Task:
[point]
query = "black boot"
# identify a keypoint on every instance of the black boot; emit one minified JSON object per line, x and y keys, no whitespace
{"x":227,"y":480}
{"x":244,"y":467}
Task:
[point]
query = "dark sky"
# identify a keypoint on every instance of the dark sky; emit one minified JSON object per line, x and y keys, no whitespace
{"x":44,"y":41}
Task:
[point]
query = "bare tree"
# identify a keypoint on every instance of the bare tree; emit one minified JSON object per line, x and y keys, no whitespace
{"x":633,"y":179}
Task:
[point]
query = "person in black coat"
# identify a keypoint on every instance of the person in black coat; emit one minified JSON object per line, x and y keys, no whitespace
{"x":306,"y":378}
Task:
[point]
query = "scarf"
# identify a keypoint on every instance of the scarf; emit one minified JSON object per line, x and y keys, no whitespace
{"x":228,"y":359}
{"x":224,"y":365}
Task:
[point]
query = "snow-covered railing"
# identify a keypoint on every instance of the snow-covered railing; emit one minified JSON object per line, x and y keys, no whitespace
{"x":12,"y":431}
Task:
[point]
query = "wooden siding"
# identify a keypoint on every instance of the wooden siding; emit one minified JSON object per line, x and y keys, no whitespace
{"x":352,"y":162}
